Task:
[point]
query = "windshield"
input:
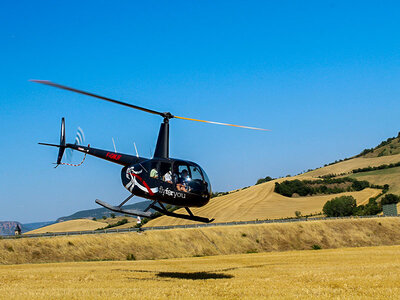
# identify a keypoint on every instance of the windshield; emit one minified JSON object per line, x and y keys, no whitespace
{"x":189,"y":178}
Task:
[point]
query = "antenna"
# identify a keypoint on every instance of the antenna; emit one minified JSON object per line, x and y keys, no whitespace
{"x":137,"y":154}
{"x":115,"y":149}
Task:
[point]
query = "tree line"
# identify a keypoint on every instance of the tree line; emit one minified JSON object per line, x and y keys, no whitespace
{"x":322,"y":186}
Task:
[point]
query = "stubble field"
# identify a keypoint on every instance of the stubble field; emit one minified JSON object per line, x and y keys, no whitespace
{"x":351,"y":273}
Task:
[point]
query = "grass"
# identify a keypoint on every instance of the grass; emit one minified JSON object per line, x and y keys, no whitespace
{"x":390,"y":176}
{"x":209,"y":241}
{"x":356,"y":273}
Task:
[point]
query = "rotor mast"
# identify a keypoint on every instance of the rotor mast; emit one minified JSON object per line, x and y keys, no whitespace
{"x":162,"y":146}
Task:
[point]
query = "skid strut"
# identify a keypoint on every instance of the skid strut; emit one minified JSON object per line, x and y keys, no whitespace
{"x":147,"y":214}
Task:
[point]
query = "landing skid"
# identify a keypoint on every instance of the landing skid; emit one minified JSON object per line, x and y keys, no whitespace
{"x":148,"y":214}
{"x":118,"y":209}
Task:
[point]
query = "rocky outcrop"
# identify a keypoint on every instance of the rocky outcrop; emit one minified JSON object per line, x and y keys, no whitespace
{"x":8,"y":227}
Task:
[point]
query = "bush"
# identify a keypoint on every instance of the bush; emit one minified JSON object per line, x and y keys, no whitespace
{"x":297,"y":214}
{"x":112,"y":216}
{"x":323,"y":186}
{"x":390,"y":199}
{"x":130,"y":257}
{"x":316,"y":247}
{"x":340,"y":207}
{"x":372,"y":208}
{"x":262,"y":180}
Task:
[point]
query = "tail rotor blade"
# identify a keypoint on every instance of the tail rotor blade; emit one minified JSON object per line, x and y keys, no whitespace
{"x":62,"y":142}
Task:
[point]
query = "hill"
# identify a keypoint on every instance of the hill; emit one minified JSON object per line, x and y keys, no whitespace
{"x":8,"y":227}
{"x":260,"y":202}
{"x":71,"y":225}
{"x":98,"y":213}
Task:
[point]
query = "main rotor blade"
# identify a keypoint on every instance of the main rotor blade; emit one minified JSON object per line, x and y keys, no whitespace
{"x":47,"y":82}
{"x":219,"y":123}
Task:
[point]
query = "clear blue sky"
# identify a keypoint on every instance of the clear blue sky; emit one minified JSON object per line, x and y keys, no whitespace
{"x":324,"y":76}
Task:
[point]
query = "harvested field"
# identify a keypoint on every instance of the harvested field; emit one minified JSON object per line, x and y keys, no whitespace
{"x":356,"y":273}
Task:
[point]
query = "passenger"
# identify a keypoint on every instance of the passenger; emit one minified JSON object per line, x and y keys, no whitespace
{"x":168,"y":177}
{"x":153,"y":173}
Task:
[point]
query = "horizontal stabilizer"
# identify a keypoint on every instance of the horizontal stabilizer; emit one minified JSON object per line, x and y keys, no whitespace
{"x":53,"y":145}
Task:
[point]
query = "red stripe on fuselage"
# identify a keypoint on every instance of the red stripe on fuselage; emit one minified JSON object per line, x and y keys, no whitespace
{"x":144,"y":183}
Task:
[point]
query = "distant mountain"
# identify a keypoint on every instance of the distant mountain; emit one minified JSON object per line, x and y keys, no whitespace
{"x":8,"y":227}
{"x":98,"y":213}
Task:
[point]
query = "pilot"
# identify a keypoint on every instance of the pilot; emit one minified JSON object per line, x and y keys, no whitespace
{"x":182,"y":181}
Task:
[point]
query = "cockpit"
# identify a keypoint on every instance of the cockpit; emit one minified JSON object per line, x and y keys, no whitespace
{"x":183,"y":176}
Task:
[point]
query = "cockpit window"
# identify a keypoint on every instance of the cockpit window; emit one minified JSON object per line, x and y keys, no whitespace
{"x":195,"y":173}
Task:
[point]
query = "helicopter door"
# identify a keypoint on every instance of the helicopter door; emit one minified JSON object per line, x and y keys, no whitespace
{"x":196,"y":183}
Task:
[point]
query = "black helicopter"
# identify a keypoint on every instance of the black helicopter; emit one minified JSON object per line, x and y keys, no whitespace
{"x":161,"y":179}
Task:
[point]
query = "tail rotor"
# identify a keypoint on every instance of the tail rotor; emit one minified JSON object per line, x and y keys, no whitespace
{"x":62,"y":142}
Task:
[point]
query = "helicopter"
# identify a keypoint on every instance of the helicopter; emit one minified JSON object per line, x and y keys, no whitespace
{"x":161,"y":179}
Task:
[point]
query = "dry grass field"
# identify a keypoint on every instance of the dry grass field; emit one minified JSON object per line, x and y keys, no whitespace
{"x":72,"y":225}
{"x":356,"y":273}
{"x":355,"y":163}
{"x":220,"y":240}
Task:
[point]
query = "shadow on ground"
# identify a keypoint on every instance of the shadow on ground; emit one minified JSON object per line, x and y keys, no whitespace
{"x":194,"y":275}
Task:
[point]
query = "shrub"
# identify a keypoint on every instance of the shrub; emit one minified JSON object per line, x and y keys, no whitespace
{"x":112,"y":216}
{"x":316,"y":247}
{"x":340,"y":207}
{"x":130,"y":257}
{"x":298,"y":214}
{"x":104,"y":217}
{"x":390,"y":199}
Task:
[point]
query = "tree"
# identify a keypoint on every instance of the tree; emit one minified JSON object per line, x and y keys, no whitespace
{"x":104,"y":217}
{"x":262,"y":180}
{"x":390,"y":199}
{"x":112,"y":216}
{"x":340,"y":207}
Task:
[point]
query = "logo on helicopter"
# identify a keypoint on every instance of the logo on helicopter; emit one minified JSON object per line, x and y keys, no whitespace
{"x":170,"y":193}
{"x":136,"y":180}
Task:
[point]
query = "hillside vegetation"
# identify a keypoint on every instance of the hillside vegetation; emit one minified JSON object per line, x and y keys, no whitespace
{"x":390,"y":146}
{"x":203,"y":241}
